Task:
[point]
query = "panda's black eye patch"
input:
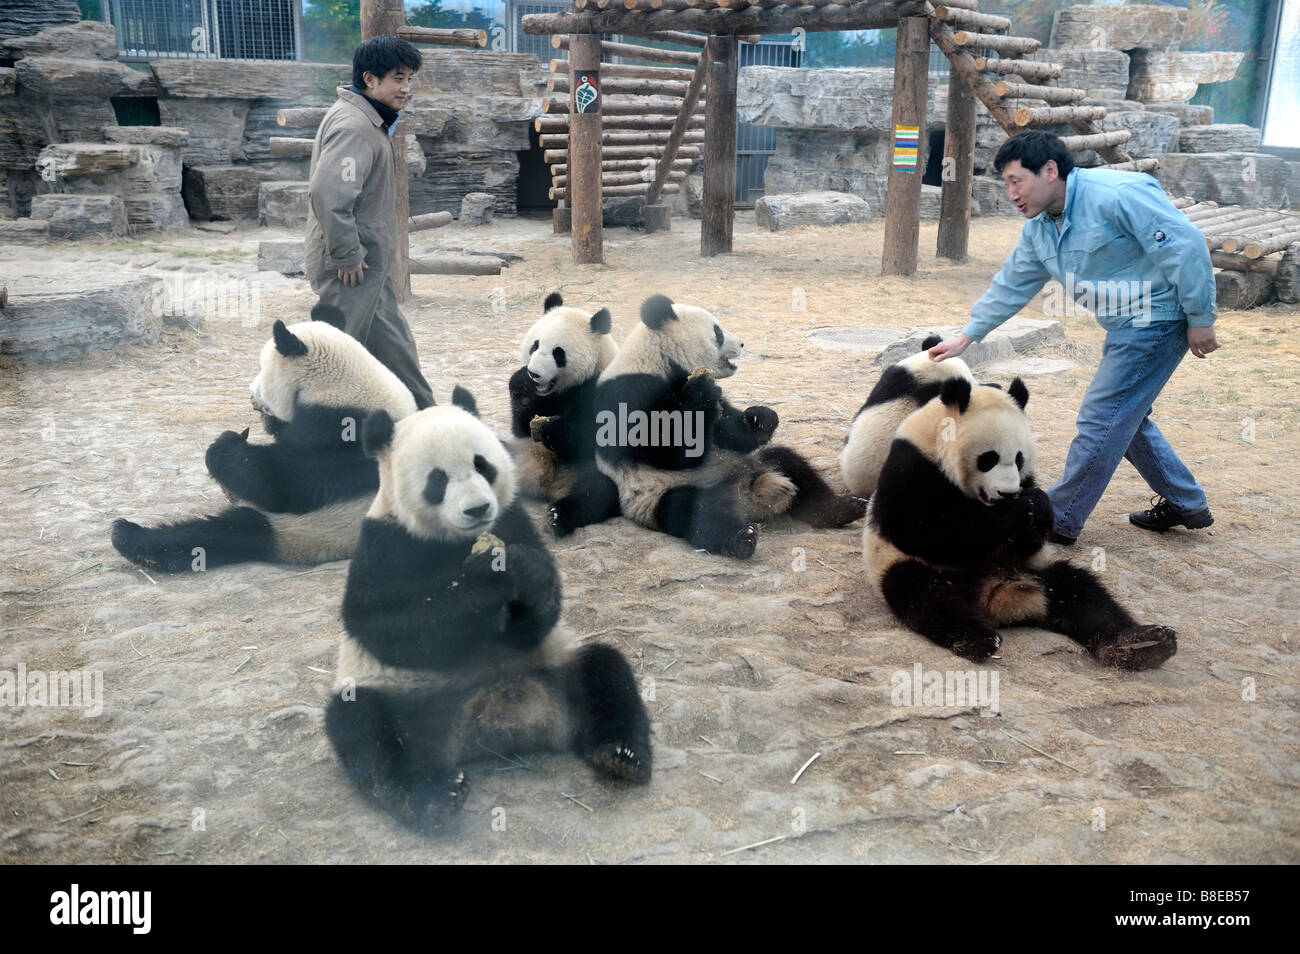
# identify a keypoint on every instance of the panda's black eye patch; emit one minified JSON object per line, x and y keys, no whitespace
{"x":561,"y":359}
{"x":483,"y":467}
{"x":987,"y":461}
{"x":534,"y":347}
{"x":717,"y":333}
{"x":1020,"y":461}
{"x":435,"y":488}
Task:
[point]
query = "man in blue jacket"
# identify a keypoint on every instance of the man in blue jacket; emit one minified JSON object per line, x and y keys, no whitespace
{"x":1119,"y":248}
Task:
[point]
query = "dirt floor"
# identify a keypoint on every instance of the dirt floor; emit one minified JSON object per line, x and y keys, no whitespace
{"x":211,"y":748}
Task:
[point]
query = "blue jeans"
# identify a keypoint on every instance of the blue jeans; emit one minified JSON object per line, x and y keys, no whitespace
{"x":1114,"y":422}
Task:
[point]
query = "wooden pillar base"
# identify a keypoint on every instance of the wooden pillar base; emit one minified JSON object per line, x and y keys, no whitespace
{"x":658,"y":217}
{"x":562,"y":221}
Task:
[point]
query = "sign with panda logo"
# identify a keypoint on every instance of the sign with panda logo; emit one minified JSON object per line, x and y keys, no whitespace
{"x":586,"y":92}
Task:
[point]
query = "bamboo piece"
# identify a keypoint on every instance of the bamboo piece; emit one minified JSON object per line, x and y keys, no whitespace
{"x":717,"y":212}
{"x":428,"y":36}
{"x":286,"y":146}
{"x":646,"y":150}
{"x":681,"y":125}
{"x":551,"y":124}
{"x":300,"y":116}
{"x":1048,"y":94}
{"x":1081,"y":143}
{"x":1269,"y":246}
{"x":903,"y":192}
{"x":633,"y":51}
{"x":1019,"y":45}
{"x":969,"y":19}
{"x":429,"y":220}
{"x":1029,"y":69}
{"x":1051,"y":115}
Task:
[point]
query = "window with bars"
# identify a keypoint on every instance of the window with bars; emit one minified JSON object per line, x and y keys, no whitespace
{"x":226,"y":29}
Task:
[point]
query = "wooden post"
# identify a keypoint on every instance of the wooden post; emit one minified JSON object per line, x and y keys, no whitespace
{"x":958,"y":170}
{"x":718,"y":210}
{"x":903,"y":201}
{"x":381,"y":18}
{"x":585,"y":133}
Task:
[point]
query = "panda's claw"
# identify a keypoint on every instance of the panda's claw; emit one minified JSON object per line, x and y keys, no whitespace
{"x":743,"y":544}
{"x":762,"y":420}
{"x":556,"y":522}
{"x":619,"y":761}
{"x":976,"y":646}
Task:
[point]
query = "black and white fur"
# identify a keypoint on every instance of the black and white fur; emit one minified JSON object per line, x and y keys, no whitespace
{"x":670,"y":363}
{"x":299,"y":499}
{"x":553,"y":414}
{"x":449,"y":654}
{"x":955,"y":533}
{"x":904,"y":387}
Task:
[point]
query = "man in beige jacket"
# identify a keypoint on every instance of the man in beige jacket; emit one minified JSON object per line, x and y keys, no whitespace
{"x":352,"y":220}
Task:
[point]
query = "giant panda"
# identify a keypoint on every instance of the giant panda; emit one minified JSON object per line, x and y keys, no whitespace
{"x":707,"y":488}
{"x":553,"y":414}
{"x":299,"y":499}
{"x":453,"y":645}
{"x":904,"y":387}
{"x":955,"y":533}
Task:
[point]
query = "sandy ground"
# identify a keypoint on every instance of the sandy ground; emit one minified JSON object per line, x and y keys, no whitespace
{"x":210,"y":747}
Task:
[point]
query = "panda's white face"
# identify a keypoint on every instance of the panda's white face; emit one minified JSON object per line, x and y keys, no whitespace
{"x":315,"y":363}
{"x":446,"y":476}
{"x":681,"y":335}
{"x":993,"y":450}
{"x":563,"y":349}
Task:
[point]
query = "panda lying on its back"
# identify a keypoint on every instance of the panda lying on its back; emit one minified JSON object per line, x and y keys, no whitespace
{"x":299,"y":499}
{"x":902,"y":389}
{"x":683,"y":459}
{"x":453,"y":648}
{"x":954,"y":537}
{"x":553,"y":410}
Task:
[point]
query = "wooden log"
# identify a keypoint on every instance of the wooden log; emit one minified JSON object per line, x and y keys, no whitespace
{"x":1048,"y":94}
{"x":1081,"y":143}
{"x":300,"y":116}
{"x":903,"y":192}
{"x":628,"y":87}
{"x":429,"y":220}
{"x":1227,"y":217}
{"x":455,"y":265}
{"x":1269,"y":246}
{"x":1183,"y":202}
{"x":1017,"y":45}
{"x":561,"y":67}
{"x":643,"y":137}
{"x":1240,"y":290}
{"x":635,"y":107}
{"x":657,"y":217}
{"x":646,"y":166}
{"x":958,"y":170}
{"x":1263,"y":229}
{"x":430,"y":36}
{"x":622,"y":178}
{"x":1134,"y":165}
{"x":970,"y":20}
{"x":584,"y":141}
{"x":964,"y":64}
{"x":681,"y":125}
{"x":1198,"y":208}
{"x":634,"y":51}
{"x":864,"y":15}
{"x":647,"y":5}
{"x":553,"y":156}
{"x":561,"y":219}
{"x":718,"y":206}
{"x":963,"y":4}
{"x":1028,"y":69}
{"x":553,"y":124}
{"x":1240,"y":263}
{"x":1287,"y":284}
{"x":1052,"y":115}
{"x":557,"y":192}
{"x":287,"y":146}
{"x":1210,"y":210}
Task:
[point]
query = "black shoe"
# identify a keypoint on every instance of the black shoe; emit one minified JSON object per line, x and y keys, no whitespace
{"x":1164,"y":515}
{"x":1062,"y":539}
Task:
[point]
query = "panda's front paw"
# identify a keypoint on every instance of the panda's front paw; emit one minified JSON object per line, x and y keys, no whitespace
{"x":620,"y":761}
{"x":1141,"y":647}
{"x":762,"y":421}
{"x":432,"y":805}
{"x":701,"y":392}
{"x":539,"y":427}
{"x":976,"y":644}
{"x":743,"y":544}
{"x":227,"y":458}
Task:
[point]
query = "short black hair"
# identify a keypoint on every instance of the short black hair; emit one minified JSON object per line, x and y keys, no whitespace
{"x":379,"y":56}
{"x":1033,"y":149}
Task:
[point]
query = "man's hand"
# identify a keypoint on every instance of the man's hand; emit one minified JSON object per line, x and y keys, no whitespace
{"x":353,"y":276}
{"x":950,"y":348}
{"x":1200,"y":341}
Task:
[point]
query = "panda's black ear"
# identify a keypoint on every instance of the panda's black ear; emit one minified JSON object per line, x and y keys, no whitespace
{"x":330,"y":314}
{"x":376,"y":433}
{"x":956,"y":391}
{"x":1019,"y":393}
{"x":601,"y":322}
{"x":464,"y":400}
{"x":656,"y":311}
{"x":930,"y":342}
{"x":553,"y":300}
{"x":286,"y":342}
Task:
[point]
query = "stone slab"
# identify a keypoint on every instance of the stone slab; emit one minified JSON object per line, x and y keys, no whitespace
{"x":780,"y":212}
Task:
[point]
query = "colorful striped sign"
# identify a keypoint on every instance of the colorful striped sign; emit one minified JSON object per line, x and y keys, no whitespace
{"x":906,"y":147}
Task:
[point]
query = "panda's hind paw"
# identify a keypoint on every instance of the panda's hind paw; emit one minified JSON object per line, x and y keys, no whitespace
{"x":743,"y":544}
{"x":619,"y":761}
{"x":976,"y":646}
{"x":1140,"y":647}
{"x":432,"y":805}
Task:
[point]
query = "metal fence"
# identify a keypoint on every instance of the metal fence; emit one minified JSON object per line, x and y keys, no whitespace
{"x":203,"y":29}
{"x":755,"y":144}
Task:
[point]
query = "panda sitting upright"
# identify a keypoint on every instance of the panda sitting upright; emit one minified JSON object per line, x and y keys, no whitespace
{"x":553,"y":412}
{"x":301,"y":498}
{"x":955,"y":533}
{"x":904,"y":387}
{"x":453,"y":646}
{"x":713,"y":476}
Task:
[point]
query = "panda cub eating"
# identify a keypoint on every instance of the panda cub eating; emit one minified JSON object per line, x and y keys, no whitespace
{"x":453,"y":645}
{"x":299,"y":499}
{"x":955,"y":533}
{"x":553,"y":414}
{"x":700,"y":470}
